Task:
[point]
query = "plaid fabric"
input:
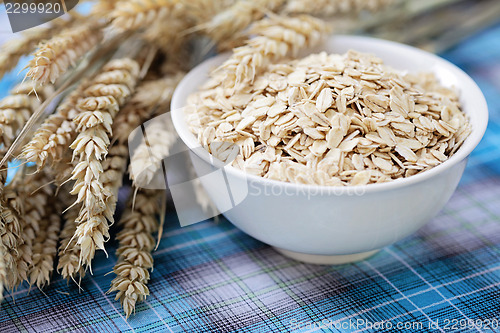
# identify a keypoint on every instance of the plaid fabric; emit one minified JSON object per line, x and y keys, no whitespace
{"x":211,"y":277}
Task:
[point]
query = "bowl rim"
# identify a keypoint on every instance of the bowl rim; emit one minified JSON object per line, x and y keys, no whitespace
{"x":480,"y":110}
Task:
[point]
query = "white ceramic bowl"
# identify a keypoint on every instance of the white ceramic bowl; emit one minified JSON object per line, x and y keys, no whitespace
{"x":328,"y":225}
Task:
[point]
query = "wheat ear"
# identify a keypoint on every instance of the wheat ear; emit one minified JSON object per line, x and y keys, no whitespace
{"x":17,"y":108}
{"x":134,"y":251}
{"x":103,"y":7}
{"x":326,"y":8}
{"x":14,"y":49}
{"x":69,"y":251}
{"x":94,"y":122}
{"x":147,"y":158}
{"x":202,"y":11}
{"x":16,"y":256}
{"x":276,"y":37}
{"x":150,"y":96}
{"x":35,"y":192}
{"x":45,"y":247}
{"x":54,"y":57}
{"x":3,"y":270}
{"x":230,"y":22}
{"x":138,"y":14}
{"x":52,"y":139}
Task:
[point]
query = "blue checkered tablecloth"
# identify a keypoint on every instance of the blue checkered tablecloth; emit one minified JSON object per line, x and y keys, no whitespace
{"x":212,"y":277}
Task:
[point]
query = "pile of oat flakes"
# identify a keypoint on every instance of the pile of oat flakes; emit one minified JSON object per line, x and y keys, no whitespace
{"x":332,"y":120}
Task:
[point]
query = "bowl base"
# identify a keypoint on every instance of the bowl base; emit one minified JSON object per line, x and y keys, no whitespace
{"x":319,"y":259}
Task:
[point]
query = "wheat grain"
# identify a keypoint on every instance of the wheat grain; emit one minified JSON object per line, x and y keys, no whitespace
{"x":276,"y":37}
{"x":138,"y":14}
{"x":52,"y":139}
{"x":94,"y":123}
{"x":134,"y":251}
{"x":54,"y":57}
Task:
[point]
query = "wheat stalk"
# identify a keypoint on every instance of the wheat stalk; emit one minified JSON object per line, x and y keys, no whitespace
{"x":276,"y":37}
{"x":52,"y":138}
{"x":134,"y":251}
{"x":138,"y":14}
{"x":17,"y":108}
{"x":54,"y":57}
{"x":91,"y":146}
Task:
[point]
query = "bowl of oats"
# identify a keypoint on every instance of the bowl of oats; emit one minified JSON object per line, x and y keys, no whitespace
{"x":330,"y":157}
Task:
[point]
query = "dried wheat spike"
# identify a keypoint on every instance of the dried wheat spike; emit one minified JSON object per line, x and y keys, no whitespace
{"x":17,"y":108}
{"x":53,"y":137}
{"x":3,"y":269}
{"x":134,"y":251}
{"x":147,"y":157}
{"x":94,"y":121}
{"x":16,"y":256}
{"x":150,"y":95}
{"x":69,"y":251}
{"x":230,"y":22}
{"x":54,"y":57}
{"x":45,"y":247}
{"x":326,"y":8}
{"x":169,"y":37}
{"x":35,"y":191}
{"x":14,"y":49}
{"x":138,"y":14}
{"x":103,"y":7}
{"x":276,"y":37}
{"x":202,"y":11}
{"x":114,"y":168}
